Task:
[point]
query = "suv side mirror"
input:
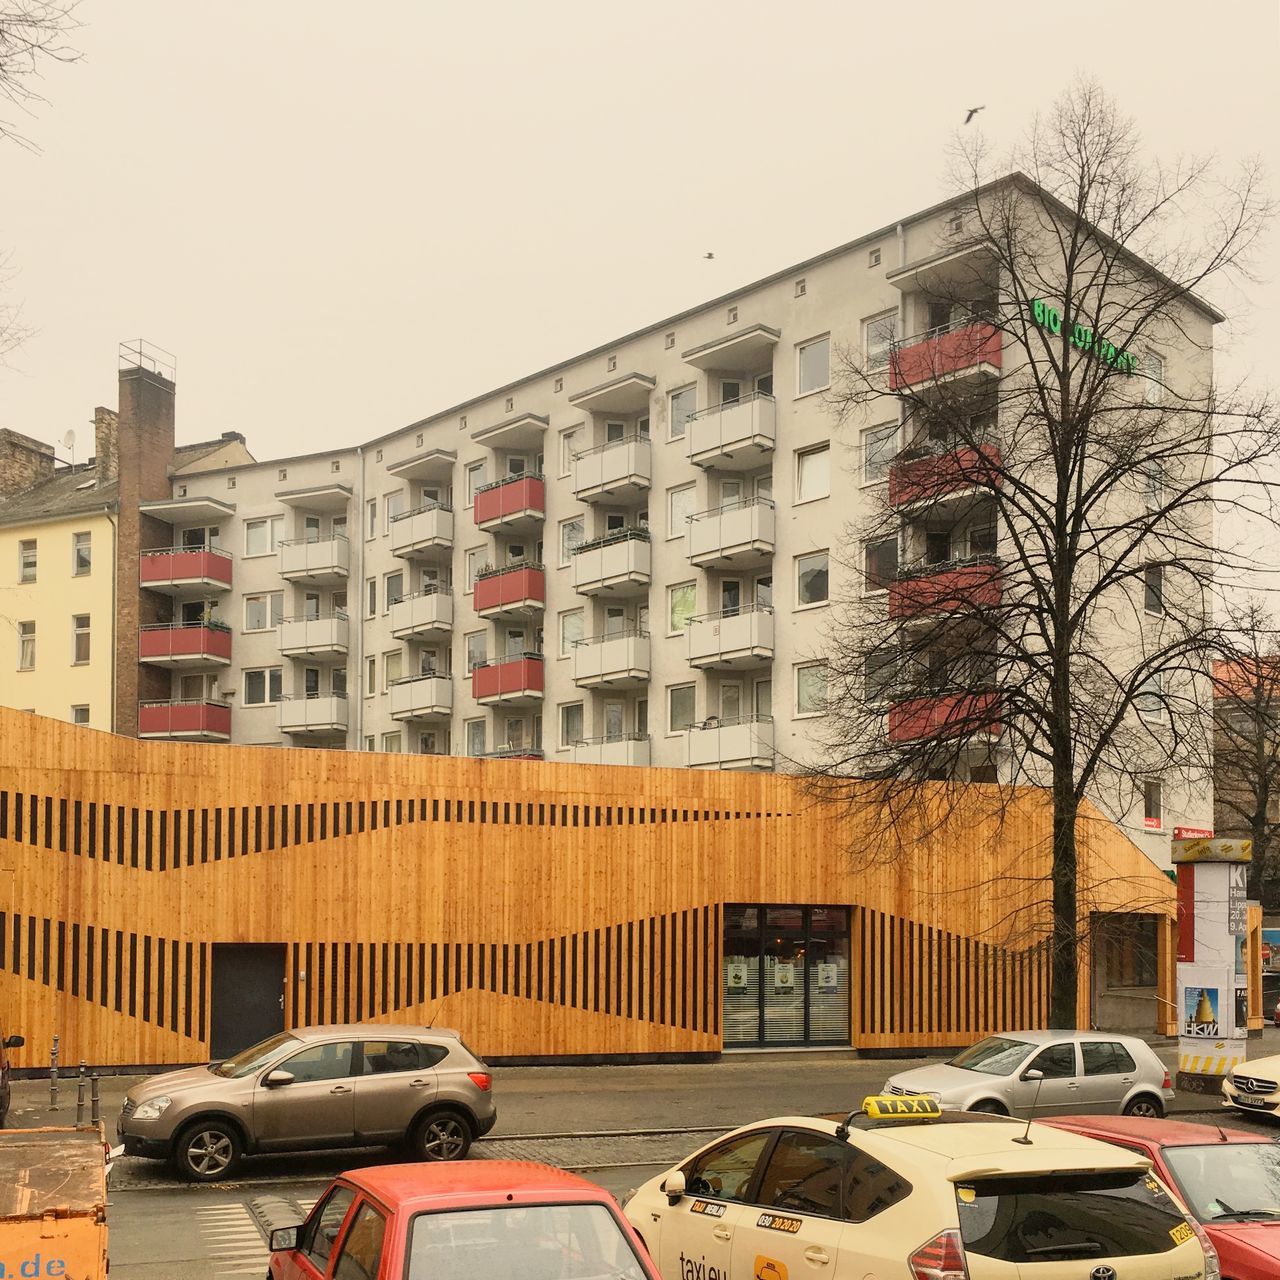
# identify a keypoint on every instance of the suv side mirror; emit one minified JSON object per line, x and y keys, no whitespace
{"x":14,"y":1042}
{"x":1032,"y":1074}
{"x":285,"y":1238}
{"x":674,"y":1186}
{"x":274,"y":1079}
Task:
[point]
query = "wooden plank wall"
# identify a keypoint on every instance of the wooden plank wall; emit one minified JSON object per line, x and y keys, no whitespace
{"x":547,"y":909}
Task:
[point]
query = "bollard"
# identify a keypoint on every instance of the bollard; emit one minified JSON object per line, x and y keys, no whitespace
{"x":53,"y":1076}
{"x":80,"y":1083}
{"x":95,"y":1103}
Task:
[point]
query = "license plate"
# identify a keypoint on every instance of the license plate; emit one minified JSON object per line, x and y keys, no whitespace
{"x":1248,"y":1100}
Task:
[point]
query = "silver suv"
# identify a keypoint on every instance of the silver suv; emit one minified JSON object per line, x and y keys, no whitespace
{"x":314,"y":1088}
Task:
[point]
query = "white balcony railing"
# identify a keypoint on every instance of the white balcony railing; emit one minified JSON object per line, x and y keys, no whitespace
{"x":618,"y":564}
{"x":617,"y":660}
{"x":422,"y":697}
{"x":417,"y":532}
{"x":746,"y":743}
{"x":737,"y":533}
{"x":314,"y":713}
{"x":627,"y":748}
{"x":737,"y":435}
{"x":315,"y":559}
{"x":314,"y":637}
{"x":732,"y":638}
{"x":617,"y":469}
{"x":422,"y":614}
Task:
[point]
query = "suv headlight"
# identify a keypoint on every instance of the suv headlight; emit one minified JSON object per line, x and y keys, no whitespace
{"x":152,"y":1109}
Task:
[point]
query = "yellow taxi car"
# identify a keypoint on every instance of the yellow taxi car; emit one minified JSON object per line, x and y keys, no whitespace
{"x":905,"y":1191}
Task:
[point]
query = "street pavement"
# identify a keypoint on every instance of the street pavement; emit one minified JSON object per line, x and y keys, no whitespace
{"x":616,"y":1125}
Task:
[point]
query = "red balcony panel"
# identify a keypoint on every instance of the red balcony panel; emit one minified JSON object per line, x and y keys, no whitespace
{"x":162,"y":567}
{"x":511,"y":676}
{"x":945,"y":355}
{"x":937,"y":474}
{"x":970,"y":586}
{"x":166,"y":643}
{"x":184,"y":720}
{"x":515,"y":497}
{"x":511,"y":587}
{"x":946,"y":716}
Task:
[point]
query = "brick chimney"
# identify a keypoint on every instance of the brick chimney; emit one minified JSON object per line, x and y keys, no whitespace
{"x":23,"y":463}
{"x":106,"y":434}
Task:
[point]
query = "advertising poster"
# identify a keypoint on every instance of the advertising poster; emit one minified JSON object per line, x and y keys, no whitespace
{"x":1200,"y":1011}
{"x":1271,"y":950}
{"x":828,"y":978}
{"x":737,"y":975}
{"x":784,"y":977}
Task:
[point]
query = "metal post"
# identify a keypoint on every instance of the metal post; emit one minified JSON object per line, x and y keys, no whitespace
{"x":95,"y":1103}
{"x":53,"y":1075}
{"x":80,"y":1083}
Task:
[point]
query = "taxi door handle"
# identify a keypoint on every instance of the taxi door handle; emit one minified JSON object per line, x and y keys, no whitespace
{"x":820,"y":1256}
{"x":339,"y":1088}
{"x":722,"y":1233}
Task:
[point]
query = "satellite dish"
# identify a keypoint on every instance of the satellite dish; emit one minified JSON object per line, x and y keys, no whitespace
{"x":69,"y":440}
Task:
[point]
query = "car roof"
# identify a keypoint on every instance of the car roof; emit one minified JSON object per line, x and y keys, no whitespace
{"x":1165,"y":1133}
{"x":473,"y":1184}
{"x":1054,"y":1037}
{"x":365,"y":1030}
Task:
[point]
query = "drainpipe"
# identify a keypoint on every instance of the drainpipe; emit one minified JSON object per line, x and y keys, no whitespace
{"x":115,"y":593}
{"x":356,"y":524}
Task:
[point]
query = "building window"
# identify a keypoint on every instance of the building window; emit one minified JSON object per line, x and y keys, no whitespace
{"x":79,"y":638}
{"x":802,"y":287}
{"x":371,"y":598}
{"x":684,"y":404}
{"x":954,"y":223}
{"x":418,"y":441}
{"x":731,"y":316}
{"x":669,"y":341}
{"x":392,"y":667}
{"x":813,"y":473}
{"x":681,"y":706}
{"x":879,"y":333}
{"x":680,"y":503}
{"x":879,"y":444}
{"x":475,"y":562}
{"x":391,"y":742}
{"x":477,"y":650}
{"x":873,"y":258}
{"x":262,"y":537}
{"x":231,"y":482}
{"x":369,"y":742}
{"x":1152,"y":368}
{"x":879,"y":672}
{"x":1153,"y":588}
{"x":879,"y":565}
{"x":682,"y":600}
{"x":475,"y":737}
{"x":611,"y":364}
{"x":568,"y":446}
{"x":813,"y":366}
{"x":1149,"y":701}
{"x":263,"y":611}
{"x":370,"y":677}
{"x":571,"y":535}
{"x":81,"y":554}
{"x":80,"y":715}
{"x":572,"y":629}
{"x":811,"y":578}
{"x":263,"y":685}
{"x":27,"y":560}
{"x":26,"y":646}
{"x":475,"y":478}
{"x":811,"y":689}
{"x":571,"y":723}
{"x":511,"y":403}
{"x":558,"y":386}
{"x":393,"y":505}
{"x":371,"y":518}
{"x":1152,"y":815}
{"x":335,"y":465}
{"x":392,"y":588}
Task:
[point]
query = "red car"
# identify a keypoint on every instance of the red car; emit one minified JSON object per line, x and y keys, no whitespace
{"x":1228,"y":1178}
{"x":497,"y":1219}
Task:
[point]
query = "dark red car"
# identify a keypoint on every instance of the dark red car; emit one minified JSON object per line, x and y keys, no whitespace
{"x":1228,"y":1178}
{"x":497,"y":1219}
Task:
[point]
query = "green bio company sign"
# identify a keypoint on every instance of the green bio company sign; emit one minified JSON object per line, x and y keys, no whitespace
{"x":1082,"y":338}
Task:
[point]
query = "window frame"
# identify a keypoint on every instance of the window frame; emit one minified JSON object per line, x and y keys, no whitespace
{"x":566,"y":556}
{"x":868,"y":326}
{"x":882,"y":429}
{"x":692,"y":687}
{"x":274,"y":525}
{"x":28,"y":547}
{"x":1156,"y":592}
{"x":682,"y":434}
{"x":27,"y":644}
{"x":566,"y":651}
{"x":683,"y":531}
{"x":800,"y":669}
{"x":812,"y":451}
{"x":1151,"y":687}
{"x":76,"y":547}
{"x":1152,"y":804}
{"x":801,"y":348}
{"x":467,"y":727}
{"x":78,"y":630}
{"x":566,"y":742}
{"x":825,"y":552}
{"x":868,"y":589}
{"x":473,"y":478}
{"x":266,"y":674}
{"x":672,"y":588}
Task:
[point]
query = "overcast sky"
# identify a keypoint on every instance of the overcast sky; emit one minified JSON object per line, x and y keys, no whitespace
{"x":344,"y":217}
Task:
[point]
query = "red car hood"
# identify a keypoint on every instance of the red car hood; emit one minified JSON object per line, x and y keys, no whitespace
{"x":1248,"y":1250}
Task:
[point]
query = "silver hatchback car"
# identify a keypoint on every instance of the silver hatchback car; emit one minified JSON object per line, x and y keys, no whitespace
{"x":1047,"y":1073}
{"x":314,"y":1088}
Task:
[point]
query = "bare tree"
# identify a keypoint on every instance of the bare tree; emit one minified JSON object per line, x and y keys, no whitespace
{"x":32,"y":32}
{"x":1246,"y":757}
{"x":1036,"y":583}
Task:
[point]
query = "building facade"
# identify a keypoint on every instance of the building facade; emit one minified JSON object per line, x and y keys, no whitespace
{"x":628,"y":558}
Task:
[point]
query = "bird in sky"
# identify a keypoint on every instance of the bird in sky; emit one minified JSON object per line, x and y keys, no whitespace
{"x":973,"y":111}
{"x":708,"y":255}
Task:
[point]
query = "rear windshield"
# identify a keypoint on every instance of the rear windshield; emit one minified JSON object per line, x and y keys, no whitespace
{"x":1062,"y":1218}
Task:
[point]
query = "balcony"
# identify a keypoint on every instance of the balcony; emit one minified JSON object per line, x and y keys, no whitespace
{"x":315,"y":560}
{"x":422,"y":697}
{"x":735,"y":536}
{"x":512,"y":504}
{"x":423,"y":532}
{"x":197,"y":721}
{"x":424,"y":614}
{"x":514,"y":753}
{"x":618,"y":471}
{"x":619,"y":661}
{"x":969,"y":350}
{"x":511,"y":591}
{"x":746,"y":743}
{"x":186,"y":645}
{"x":511,"y":681}
{"x":732,"y":640}
{"x":616,"y":565}
{"x":927,"y":474}
{"x":737,"y":436}
{"x":950,"y":587}
{"x":628,"y":748}
{"x":185,"y":572}
{"x":945,"y":715}
{"x":315,"y":714}
{"x":319,"y":637}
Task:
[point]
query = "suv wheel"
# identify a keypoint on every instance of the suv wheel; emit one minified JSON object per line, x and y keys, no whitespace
{"x":441,"y":1135}
{"x":208,"y":1150}
{"x":1145,"y":1107}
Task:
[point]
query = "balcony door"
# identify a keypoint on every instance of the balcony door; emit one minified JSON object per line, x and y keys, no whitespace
{"x":614,"y":714}
{"x":730,"y":391}
{"x":730,"y":597}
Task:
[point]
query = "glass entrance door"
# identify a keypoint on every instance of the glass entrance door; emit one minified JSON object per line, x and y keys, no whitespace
{"x":786,"y":975}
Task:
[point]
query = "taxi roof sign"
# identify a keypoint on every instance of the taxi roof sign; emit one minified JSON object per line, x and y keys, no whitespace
{"x":903,"y":1106}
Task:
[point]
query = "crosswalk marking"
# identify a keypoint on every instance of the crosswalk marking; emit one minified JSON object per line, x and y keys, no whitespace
{"x":232,"y":1239}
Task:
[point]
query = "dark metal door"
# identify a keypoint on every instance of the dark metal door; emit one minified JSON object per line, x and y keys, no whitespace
{"x":247,"y":1001}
